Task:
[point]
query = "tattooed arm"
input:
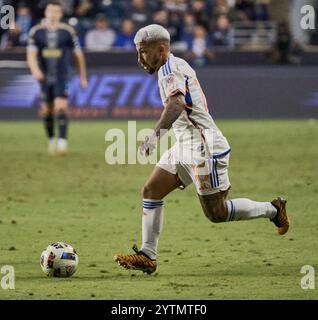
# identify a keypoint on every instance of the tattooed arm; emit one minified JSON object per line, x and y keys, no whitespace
{"x":170,"y":114}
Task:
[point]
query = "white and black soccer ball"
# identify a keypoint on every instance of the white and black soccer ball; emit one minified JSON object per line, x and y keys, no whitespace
{"x":59,"y":259}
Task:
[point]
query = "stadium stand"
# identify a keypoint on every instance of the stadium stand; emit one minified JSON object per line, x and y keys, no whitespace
{"x":226,"y":22}
{"x":198,"y":28}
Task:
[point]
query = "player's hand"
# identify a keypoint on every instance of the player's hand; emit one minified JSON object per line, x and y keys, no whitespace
{"x":148,"y":146}
{"x":84,"y":83}
{"x":38,"y":75}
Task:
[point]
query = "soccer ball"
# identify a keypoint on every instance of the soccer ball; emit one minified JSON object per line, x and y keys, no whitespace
{"x":59,"y":260}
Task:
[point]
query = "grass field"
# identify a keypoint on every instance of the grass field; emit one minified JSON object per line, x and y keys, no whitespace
{"x":96,"y":207}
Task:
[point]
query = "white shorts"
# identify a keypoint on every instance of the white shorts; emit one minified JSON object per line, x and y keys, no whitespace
{"x":210,"y":175}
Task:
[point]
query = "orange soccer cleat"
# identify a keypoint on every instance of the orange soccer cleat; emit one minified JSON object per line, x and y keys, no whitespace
{"x":137,"y":261}
{"x":281,"y":220}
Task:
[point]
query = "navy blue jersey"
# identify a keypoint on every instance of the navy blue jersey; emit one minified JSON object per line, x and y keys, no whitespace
{"x":54,"y":49}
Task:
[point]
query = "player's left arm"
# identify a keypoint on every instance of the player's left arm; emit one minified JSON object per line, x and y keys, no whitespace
{"x":80,"y":58}
{"x":174,"y":107}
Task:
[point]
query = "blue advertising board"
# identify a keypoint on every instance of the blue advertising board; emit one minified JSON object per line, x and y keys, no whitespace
{"x":129,"y":93}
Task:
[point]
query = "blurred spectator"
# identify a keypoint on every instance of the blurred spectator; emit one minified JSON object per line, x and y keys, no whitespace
{"x":175,"y":5}
{"x":84,"y":8}
{"x":125,"y":37}
{"x":102,"y":37}
{"x":283,"y":44}
{"x":201,"y":13}
{"x":113,"y":9}
{"x":175,"y":26}
{"x":221,"y":7}
{"x":37,"y":9}
{"x":231,"y":3}
{"x":245,"y":10}
{"x":18,"y":36}
{"x":171,"y":21}
{"x":139,"y":13}
{"x":285,"y":50}
{"x":10,"y":38}
{"x":24,"y":22}
{"x":161,"y":17}
{"x":220,"y":35}
{"x":68,"y":7}
{"x":83,"y":19}
{"x":262,"y":10}
{"x":189,"y":24}
{"x":178,"y":16}
{"x":200,"y":48}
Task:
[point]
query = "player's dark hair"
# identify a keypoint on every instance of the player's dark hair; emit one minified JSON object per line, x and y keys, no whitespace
{"x":54,"y":3}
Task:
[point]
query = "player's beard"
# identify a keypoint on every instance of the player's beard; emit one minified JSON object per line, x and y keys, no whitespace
{"x":151,"y":71}
{"x":156,"y":63}
{"x":148,"y":69}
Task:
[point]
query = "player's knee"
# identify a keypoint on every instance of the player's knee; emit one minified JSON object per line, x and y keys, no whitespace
{"x":60,"y":105}
{"x":46,"y":110}
{"x":218,"y":218}
{"x":216,"y":215}
{"x":60,"y":109}
{"x":147,"y":191}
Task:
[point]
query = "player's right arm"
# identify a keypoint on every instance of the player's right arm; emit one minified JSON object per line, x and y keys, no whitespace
{"x":32,"y":56}
{"x":174,"y":88}
{"x":173,"y":108}
{"x":33,"y":65}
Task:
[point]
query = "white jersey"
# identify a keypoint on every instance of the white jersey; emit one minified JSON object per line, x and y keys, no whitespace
{"x":195,"y":124}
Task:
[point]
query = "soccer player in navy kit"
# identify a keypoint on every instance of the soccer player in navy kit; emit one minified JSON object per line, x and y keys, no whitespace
{"x":48,"y":54}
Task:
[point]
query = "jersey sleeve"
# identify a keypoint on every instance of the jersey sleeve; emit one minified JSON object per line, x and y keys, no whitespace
{"x":172,"y":80}
{"x":74,"y":41}
{"x":32,"y":40}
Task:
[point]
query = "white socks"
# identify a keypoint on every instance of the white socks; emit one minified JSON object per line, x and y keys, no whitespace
{"x":245,"y":209}
{"x":152,"y":222}
{"x":238,"y":209}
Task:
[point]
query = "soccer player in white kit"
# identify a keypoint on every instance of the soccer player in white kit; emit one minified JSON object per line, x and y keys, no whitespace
{"x":200,"y":155}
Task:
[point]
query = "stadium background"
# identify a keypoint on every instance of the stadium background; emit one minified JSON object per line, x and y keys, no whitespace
{"x":253,"y":50}
{"x":251,"y":71}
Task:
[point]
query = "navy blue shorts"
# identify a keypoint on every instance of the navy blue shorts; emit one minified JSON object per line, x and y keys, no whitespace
{"x":49,"y":92}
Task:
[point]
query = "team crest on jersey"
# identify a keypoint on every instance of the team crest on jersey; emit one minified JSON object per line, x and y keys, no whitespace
{"x":201,"y":174}
{"x":171,"y":83}
{"x":169,"y":79}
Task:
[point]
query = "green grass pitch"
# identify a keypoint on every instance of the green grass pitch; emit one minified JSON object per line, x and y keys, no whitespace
{"x":96,"y":207}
